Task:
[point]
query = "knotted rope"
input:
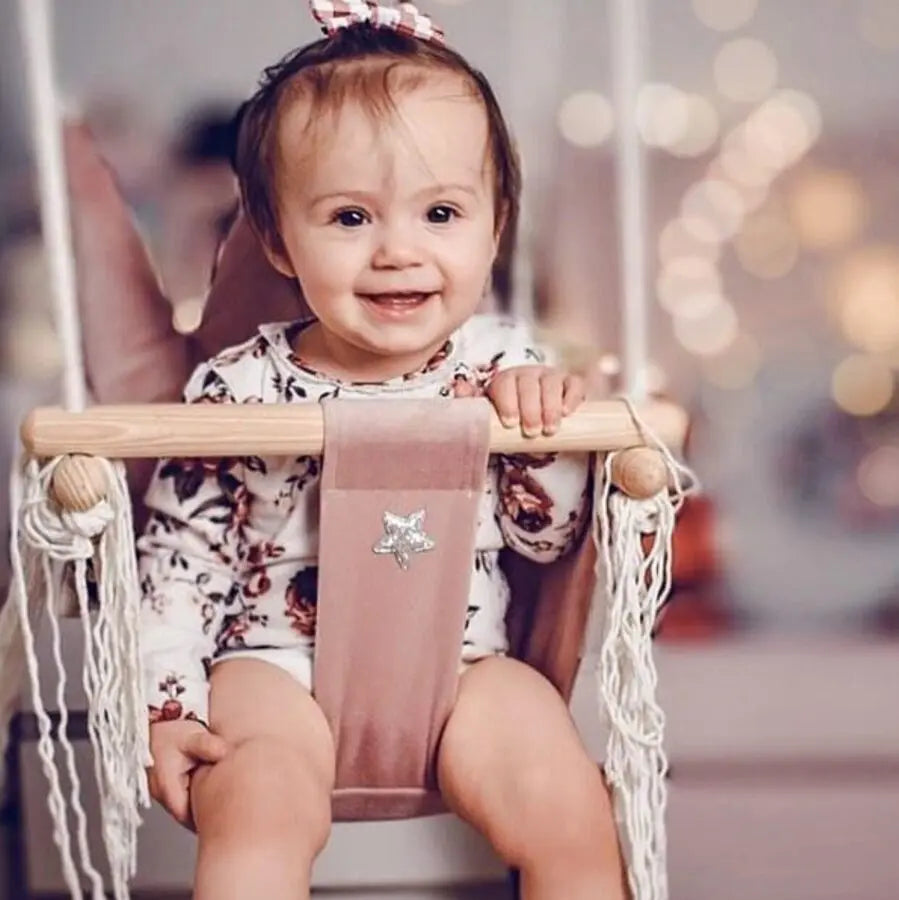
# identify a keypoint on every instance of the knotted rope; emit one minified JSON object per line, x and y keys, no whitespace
{"x":637,"y":582}
{"x":49,"y":544}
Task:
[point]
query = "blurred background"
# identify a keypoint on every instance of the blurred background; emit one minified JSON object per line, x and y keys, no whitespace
{"x":771,"y":133}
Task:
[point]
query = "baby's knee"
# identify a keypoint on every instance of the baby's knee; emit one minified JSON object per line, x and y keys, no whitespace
{"x":566,"y":806}
{"x":264,"y":787}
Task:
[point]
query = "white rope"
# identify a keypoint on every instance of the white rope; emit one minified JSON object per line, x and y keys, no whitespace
{"x":636,"y":582}
{"x":117,"y":720}
{"x":35,"y":20}
{"x":117,"y":707}
{"x":20,"y":595}
{"x":62,"y":732}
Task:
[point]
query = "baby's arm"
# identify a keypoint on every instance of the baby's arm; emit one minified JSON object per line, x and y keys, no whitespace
{"x":543,"y":499}
{"x":542,"y":502}
{"x":189,"y":557}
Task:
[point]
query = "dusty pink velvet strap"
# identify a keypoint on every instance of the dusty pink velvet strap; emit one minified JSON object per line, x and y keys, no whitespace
{"x":388,"y":638}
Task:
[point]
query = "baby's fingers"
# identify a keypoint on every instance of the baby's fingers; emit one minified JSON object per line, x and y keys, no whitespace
{"x":574,"y":394}
{"x":552,"y":387}
{"x":170,"y":789}
{"x":504,"y":397}
{"x":177,"y":800}
{"x":530,"y":403}
{"x":205,"y":746}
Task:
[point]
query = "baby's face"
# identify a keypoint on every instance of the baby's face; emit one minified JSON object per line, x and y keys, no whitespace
{"x":390,"y":227}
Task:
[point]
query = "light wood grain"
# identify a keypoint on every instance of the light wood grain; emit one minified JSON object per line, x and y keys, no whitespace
{"x":641,"y":472}
{"x":79,"y":482}
{"x":163,"y":430}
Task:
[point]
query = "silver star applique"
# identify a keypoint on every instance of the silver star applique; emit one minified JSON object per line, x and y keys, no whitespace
{"x":403,"y":536}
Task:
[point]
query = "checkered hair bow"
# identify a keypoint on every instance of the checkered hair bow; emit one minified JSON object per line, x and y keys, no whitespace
{"x":404,"y":18}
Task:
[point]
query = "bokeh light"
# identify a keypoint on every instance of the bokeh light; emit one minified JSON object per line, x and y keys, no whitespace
{"x":609,"y":364}
{"x":586,"y":119}
{"x":724,"y":15}
{"x":782,"y":130}
{"x":662,"y":114}
{"x":689,"y":286}
{"x":741,"y":167}
{"x":710,"y":334}
{"x":752,"y":196}
{"x":862,"y":385}
{"x":828,"y":208}
{"x":866,"y":295}
{"x":745,"y":70}
{"x":701,"y":128}
{"x":676,"y":241}
{"x":712,"y":210}
{"x":878,"y":475}
{"x":767,"y":246}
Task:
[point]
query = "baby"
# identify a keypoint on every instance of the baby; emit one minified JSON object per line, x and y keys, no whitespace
{"x":377,"y":170}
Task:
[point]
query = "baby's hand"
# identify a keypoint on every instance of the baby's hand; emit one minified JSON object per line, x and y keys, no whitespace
{"x":178,"y":747}
{"x":537,"y":397}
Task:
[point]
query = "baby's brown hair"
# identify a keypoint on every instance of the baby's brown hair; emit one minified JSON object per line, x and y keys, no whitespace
{"x":320,"y":73}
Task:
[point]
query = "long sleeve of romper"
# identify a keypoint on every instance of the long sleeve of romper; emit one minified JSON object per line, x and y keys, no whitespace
{"x":542,"y":499}
{"x":189,"y":561}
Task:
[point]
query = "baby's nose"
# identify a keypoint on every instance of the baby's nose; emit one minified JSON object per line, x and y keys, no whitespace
{"x":396,"y":248}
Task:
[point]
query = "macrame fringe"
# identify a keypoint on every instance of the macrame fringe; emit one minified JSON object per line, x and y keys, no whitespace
{"x":44,"y":541}
{"x":637,"y":582}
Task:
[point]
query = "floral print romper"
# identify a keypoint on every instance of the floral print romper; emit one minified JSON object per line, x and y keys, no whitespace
{"x":228,"y":557}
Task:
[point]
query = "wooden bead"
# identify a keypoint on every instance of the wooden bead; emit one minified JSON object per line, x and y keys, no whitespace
{"x":79,"y":483}
{"x":640,"y":472}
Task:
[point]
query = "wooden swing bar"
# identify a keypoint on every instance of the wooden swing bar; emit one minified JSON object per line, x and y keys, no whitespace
{"x":218,"y":430}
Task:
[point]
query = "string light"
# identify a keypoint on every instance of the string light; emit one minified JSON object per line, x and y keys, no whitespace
{"x":862,"y":385}
{"x":689,"y":286}
{"x":700,"y":131}
{"x":878,"y":476}
{"x":585,"y":119}
{"x":676,"y":241}
{"x":712,"y":210}
{"x":662,"y":114}
{"x":827,"y":207}
{"x":767,"y":246}
{"x":782,"y":130}
{"x":745,"y":70}
{"x":708,"y":335}
{"x":724,"y":15}
{"x":866,"y":294}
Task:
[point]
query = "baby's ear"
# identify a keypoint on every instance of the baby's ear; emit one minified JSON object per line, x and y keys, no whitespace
{"x":277,"y":256}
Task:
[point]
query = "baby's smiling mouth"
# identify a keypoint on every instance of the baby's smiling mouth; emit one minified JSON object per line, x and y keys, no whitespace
{"x":398,"y":299}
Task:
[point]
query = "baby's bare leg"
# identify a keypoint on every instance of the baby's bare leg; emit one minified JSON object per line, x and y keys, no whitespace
{"x":512,"y":764}
{"x":264,"y":812}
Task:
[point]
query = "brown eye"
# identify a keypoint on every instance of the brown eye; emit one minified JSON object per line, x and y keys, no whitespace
{"x":441,"y":214}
